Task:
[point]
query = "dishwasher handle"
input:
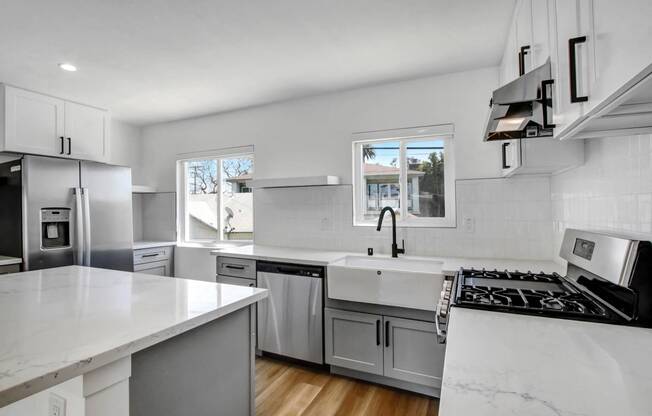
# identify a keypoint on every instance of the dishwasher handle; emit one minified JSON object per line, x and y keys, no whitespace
{"x":290,"y":269}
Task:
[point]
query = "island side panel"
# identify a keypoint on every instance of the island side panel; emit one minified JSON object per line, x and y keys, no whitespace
{"x":204,"y":372}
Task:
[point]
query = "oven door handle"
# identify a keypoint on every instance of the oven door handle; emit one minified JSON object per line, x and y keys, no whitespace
{"x":441,"y":334}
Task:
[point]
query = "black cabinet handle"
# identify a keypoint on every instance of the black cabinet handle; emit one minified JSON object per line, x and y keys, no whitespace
{"x":69,"y":145}
{"x":229,"y":266}
{"x":386,"y":333}
{"x":378,"y":332}
{"x":149,"y":255}
{"x":505,"y":165}
{"x":521,"y":59}
{"x":544,"y":102}
{"x":62,"y":151}
{"x":572,"y":59}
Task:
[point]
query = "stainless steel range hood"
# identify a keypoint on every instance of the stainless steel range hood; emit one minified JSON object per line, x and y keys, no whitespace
{"x":523,"y":108}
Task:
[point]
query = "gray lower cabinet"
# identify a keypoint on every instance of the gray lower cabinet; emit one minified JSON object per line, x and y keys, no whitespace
{"x":354,"y":340}
{"x":157,"y":261}
{"x":398,"y":348}
{"x":158,"y":268}
{"x":412,"y":352}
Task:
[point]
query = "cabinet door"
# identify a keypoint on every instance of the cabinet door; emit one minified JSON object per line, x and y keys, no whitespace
{"x":34,"y":122}
{"x":540,"y":32}
{"x":572,"y":20}
{"x":524,"y":33}
{"x":509,"y":64}
{"x":158,"y":268}
{"x":412,"y":352}
{"x":623,"y":40}
{"x":86,"y":131}
{"x":354,"y":340}
{"x":511,"y":156}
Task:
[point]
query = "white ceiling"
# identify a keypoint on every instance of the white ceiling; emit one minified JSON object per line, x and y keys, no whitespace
{"x":156,"y":60}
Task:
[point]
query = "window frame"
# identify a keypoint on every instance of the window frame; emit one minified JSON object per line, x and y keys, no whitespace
{"x":183,"y":228}
{"x":404,"y":137}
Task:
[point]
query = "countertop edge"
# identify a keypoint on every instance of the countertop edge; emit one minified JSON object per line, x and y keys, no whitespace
{"x":77,"y":368}
{"x":141,"y":245}
{"x":450,"y":265}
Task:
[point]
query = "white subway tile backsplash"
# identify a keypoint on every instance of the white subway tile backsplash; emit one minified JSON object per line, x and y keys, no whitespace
{"x":512,"y":218}
{"x":612,"y":191}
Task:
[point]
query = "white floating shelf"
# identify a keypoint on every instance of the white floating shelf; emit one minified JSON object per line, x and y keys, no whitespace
{"x":325,"y":180}
{"x":142,"y":189}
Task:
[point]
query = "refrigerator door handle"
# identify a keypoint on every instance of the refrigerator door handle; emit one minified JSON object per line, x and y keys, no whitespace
{"x":87,"y":227}
{"x":79,"y":228}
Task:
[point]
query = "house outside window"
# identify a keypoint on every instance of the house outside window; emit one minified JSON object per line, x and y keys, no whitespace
{"x":410,"y":170}
{"x":214,"y":202}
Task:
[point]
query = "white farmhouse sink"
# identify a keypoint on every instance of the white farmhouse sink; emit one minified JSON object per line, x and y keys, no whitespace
{"x":404,"y":282}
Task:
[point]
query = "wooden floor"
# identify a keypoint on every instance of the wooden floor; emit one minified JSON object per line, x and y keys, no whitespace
{"x":290,"y":389}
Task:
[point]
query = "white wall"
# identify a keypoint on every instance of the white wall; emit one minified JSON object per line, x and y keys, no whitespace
{"x":512,"y":219}
{"x":312,"y":136}
{"x":612,"y":191}
{"x":126,"y":148}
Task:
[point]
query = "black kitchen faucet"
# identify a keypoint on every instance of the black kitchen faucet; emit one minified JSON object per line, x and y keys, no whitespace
{"x":395,"y":250}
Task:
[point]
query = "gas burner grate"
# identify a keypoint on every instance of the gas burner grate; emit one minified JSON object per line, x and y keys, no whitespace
{"x":528,"y":276}
{"x":567,"y":302}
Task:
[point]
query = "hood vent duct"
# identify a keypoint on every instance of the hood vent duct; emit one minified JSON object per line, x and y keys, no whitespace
{"x":523,"y":108}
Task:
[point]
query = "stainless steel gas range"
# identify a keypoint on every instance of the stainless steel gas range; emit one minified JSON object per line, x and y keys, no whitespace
{"x":609,"y":280}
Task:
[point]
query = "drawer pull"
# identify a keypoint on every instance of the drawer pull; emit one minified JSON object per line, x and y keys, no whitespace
{"x":149,"y":255}
{"x":229,"y":266}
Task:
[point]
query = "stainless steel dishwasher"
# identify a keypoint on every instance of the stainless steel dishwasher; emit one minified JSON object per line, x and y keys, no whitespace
{"x":290,"y":319}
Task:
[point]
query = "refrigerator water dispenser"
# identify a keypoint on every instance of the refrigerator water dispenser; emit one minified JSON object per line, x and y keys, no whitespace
{"x":55,"y":228}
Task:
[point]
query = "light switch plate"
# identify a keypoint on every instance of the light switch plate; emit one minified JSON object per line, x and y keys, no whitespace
{"x":56,"y":405}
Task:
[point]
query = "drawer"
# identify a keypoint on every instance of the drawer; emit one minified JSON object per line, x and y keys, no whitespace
{"x":148,"y":255}
{"x":158,"y":268}
{"x":232,"y":266}
{"x":239,"y":281}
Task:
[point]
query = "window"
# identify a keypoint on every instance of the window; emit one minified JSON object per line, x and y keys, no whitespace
{"x":215,"y":203}
{"x":410,"y":170}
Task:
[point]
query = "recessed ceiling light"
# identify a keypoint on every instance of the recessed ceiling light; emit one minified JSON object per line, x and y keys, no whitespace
{"x":68,"y":67}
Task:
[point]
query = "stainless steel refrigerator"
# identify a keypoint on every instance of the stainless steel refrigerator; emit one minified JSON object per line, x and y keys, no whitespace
{"x":70,"y":212}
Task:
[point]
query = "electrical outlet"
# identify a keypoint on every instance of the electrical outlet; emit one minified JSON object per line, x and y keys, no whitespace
{"x":468,"y":223}
{"x":57,"y":405}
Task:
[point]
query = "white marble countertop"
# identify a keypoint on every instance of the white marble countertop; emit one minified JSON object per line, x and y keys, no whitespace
{"x":138,"y":245}
{"x":58,"y":323}
{"x":500,"y":364}
{"x":6,"y":261}
{"x":325,"y":257}
{"x":286,"y":254}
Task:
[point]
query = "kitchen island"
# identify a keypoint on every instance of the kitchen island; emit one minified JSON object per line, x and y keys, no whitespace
{"x":142,"y":345}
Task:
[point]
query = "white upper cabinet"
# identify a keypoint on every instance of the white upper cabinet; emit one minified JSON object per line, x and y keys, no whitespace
{"x":33,"y":123}
{"x":597,"y":50}
{"x":40,"y":124}
{"x":524,"y":36}
{"x":528,"y":40}
{"x":622,"y":41}
{"x":540,"y":50}
{"x":572,"y":59}
{"x":509,"y":64}
{"x":86,"y":131}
